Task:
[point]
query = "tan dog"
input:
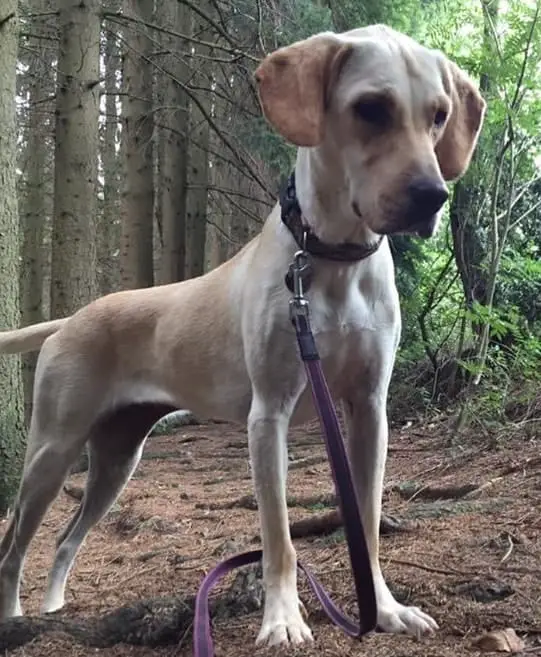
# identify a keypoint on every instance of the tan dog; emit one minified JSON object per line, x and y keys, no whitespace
{"x":381,"y":122}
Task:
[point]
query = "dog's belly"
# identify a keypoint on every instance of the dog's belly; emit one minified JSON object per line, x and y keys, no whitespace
{"x":214,"y":382}
{"x":229,"y":402}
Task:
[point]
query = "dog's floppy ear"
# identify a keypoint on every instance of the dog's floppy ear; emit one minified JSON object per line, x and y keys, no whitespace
{"x":294,"y":84}
{"x":456,"y":146}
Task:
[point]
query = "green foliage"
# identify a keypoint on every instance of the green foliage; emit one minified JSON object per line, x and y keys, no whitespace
{"x":442,"y":337}
{"x":297,"y":19}
{"x":300,"y":19}
{"x":427,"y":281}
{"x":520,"y":284}
{"x":259,"y":137}
{"x":503,"y":50}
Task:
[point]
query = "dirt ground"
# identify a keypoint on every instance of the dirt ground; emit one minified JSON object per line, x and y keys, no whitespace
{"x":474,"y":563}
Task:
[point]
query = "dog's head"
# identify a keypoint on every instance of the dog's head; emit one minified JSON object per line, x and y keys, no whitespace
{"x":399,"y":119}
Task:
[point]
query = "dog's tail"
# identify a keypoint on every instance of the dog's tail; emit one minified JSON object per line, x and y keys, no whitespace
{"x":29,"y":338}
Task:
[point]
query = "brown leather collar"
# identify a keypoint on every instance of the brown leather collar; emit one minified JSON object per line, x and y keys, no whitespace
{"x":291,"y":214}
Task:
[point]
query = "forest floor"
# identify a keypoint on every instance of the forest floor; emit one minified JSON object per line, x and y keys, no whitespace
{"x":472,"y":558}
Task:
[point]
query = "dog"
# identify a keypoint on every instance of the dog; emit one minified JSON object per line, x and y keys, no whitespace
{"x":381,"y":123}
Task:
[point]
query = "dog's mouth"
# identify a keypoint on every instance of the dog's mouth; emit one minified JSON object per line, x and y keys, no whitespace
{"x":415,"y":223}
{"x":424,"y":227}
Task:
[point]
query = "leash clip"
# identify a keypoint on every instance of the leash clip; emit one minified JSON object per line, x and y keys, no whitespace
{"x":300,"y":270}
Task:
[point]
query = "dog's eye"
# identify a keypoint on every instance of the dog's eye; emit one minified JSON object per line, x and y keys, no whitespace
{"x":371,"y":111}
{"x":439,"y":118}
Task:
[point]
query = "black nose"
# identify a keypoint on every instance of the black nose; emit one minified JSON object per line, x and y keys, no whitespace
{"x":427,"y":196}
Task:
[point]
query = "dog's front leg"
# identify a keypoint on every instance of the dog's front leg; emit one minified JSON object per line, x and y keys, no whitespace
{"x":366,"y":418}
{"x":267,"y":434}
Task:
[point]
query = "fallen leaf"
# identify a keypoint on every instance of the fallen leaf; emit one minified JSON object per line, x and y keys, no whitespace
{"x":500,"y":641}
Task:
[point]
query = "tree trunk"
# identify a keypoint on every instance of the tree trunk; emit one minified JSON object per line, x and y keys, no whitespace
{"x":469,"y":249}
{"x":136,"y":253}
{"x":467,"y":245}
{"x":469,"y":242}
{"x":11,"y":402}
{"x":238,"y":205}
{"x":36,"y":190}
{"x":198,"y":171}
{"x":73,"y":277}
{"x":218,"y":244}
{"x":109,"y":226}
{"x":173,"y":121}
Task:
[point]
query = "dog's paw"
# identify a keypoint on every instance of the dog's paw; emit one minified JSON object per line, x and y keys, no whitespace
{"x":10,"y":610}
{"x":398,"y":619}
{"x":283,"y":622}
{"x":52,"y":604}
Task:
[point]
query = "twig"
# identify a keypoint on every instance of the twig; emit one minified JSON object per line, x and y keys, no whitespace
{"x":205,"y":113}
{"x":532,"y":461}
{"x":309,"y":460}
{"x":119,"y":584}
{"x":120,"y":16}
{"x":427,"y":492}
{"x":211,"y":22}
{"x":509,"y":549}
{"x":430,"y":569}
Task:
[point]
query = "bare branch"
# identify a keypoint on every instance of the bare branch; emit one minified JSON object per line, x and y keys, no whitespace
{"x":118,"y":17}
{"x":525,"y":214}
{"x":211,"y":22}
{"x":206,"y":115}
{"x":222,"y":232}
{"x":515,"y":101}
{"x":233,"y":192}
{"x":246,"y":212}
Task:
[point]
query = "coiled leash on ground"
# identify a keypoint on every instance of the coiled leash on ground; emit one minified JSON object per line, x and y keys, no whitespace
{"x":298,"y":278}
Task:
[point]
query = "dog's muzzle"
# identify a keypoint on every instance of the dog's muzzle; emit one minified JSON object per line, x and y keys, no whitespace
{"x":426,"y":198}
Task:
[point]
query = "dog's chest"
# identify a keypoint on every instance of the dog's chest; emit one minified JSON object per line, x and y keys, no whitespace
{"x":343,"y":323}
{"x":356,"y":336}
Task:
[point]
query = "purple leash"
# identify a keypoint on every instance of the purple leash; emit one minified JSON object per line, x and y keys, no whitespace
{"x":358,"y":551}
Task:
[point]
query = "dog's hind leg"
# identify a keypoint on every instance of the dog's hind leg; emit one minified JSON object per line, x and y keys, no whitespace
{"x":115,"y":448}
{"x":42,"y":479}
{"x":66,"y":394}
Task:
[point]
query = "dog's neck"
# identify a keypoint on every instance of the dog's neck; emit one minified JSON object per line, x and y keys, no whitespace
{"x":324,"y":200}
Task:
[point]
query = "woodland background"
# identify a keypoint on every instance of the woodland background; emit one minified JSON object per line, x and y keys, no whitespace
{"x":133,"y":153}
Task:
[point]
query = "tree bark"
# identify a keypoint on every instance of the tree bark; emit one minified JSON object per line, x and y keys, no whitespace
{"x":198,"y":171}
{"x":108,"y":245}
{"x":173,"y":120}
{"x":219,"y":245}
{"x":11,"y":391}
{"x":137,"y":205}
{"x":73,"y":277}
{"x":468,"y":249}
{"x":36,"y":192}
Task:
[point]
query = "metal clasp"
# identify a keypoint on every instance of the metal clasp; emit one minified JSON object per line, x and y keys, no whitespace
{"x":299,"y":268}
